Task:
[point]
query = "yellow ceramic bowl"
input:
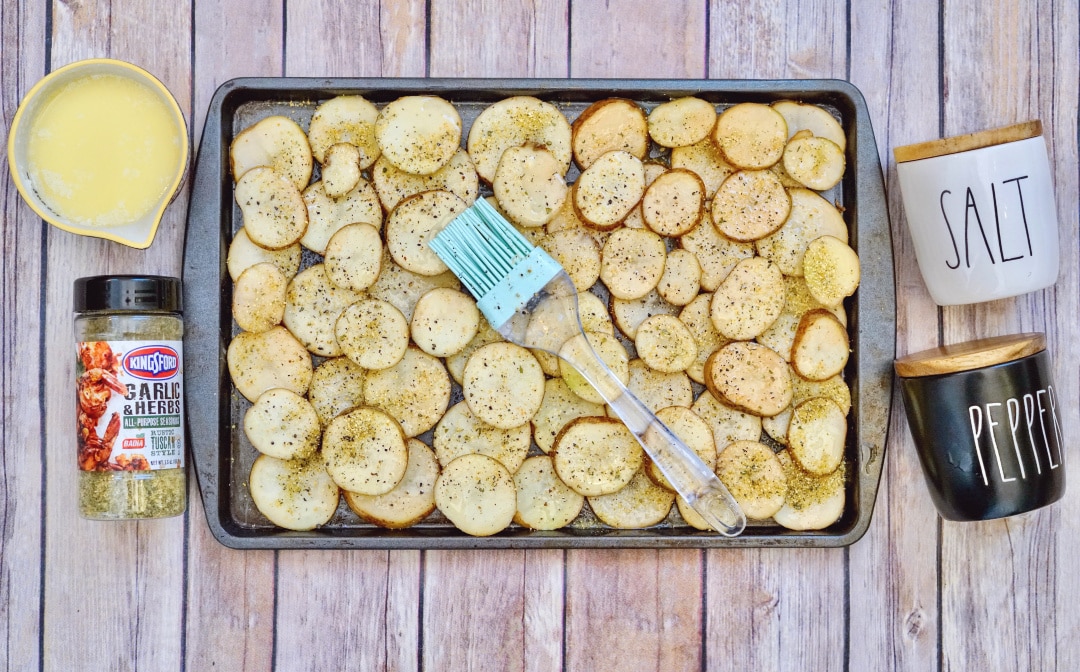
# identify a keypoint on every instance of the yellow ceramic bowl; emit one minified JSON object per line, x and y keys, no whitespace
{"x":158,"y":150}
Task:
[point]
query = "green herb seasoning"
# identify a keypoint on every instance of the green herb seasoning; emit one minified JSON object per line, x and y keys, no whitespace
{"x":129,"y":381}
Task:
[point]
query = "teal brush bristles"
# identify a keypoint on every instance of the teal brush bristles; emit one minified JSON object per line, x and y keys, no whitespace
{"x":499,"y":267}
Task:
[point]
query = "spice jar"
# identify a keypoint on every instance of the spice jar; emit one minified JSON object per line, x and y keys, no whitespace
{"x":129,"y":375}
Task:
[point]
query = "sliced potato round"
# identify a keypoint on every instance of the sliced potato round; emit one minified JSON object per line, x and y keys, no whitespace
{"x":681,"y":122}
{"x":640,"y":504}
{"x":418,"y":134}
{"x":394,"y":185}
{"x":694,"y":432}
{"x":674,"y":203}
{"x":272,"y":208}
{"x":364,"y":451}
{"x":485,"y":334}
{"x":543,"y":501}
{"x":681,"y":280}
{"x":327,"y":215}
{"x":412,"y":225}
{"x":258,"y":301}
{"x":750,"y":204}
{"x":813,"y":503}
{"x":354,"y":257}
{"x":834,"y":388}
{"x":750,"y":135}
{"x":749,"y":377}
{"x":817,"y":120}
{"x":275,"y":142}
{"x":341,"y":170}
{"x":515,"y":121}
{"x":749,"y":299}
{"x":776,"y":426}
{"x":372,"y":333}
{"x":821,"y":346}
{"x":312,"y":307}
{"x":503,"y":384}
{"x":664,"y":343}
{"x":831,"y":270}
{"x":628,"y":314}
{"x":294,"y":494}
{"x":657,"y":389}
{"x":811,"y":217}
{"x":266,"y":360}
{"x":559,"y":407}
{"x":632,"y":262}
{"x":690,"y":516}
{"x":799,"y":300}
{"x":411,"y":500}
{"x":704,"y":159}
{"x":477,"y":494}
{"x":579,"y":255}
{"x":596,"y":456}
{"x":606,"y":191}
{"x":728,"y":424}
{"x":403,"y":288}
{"x":567,"y":219}
{"x":345,"y":119}
{"x":609,"y":125}
{"x":244,"y":253}
{"x":816,"y":435}
{"x":716,"y":253}
{"x":336,"y":385}
{"x":529,"y":185}
{"x":416,"y":391}
{"x":817,"y":163}
{"x":283,"y":424}
{"x":754,"y":477}
{"x":696,"y":315}
{"x":460,"y":432}
{"x":780,"y":336}
{"x":444,"y":322}
{"x":610,"y":351}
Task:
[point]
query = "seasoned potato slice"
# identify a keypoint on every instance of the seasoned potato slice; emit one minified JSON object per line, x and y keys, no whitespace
{"x":610,"y":351}
{"x":754,"y":477}
{"x":460,"y":432}
{"x":716,"y":253}
{"x":640,"y":504}
{"x":559,"y":407}
{"x":749,"y":377}
{"x":403,"y":288}
{"x":704,"y":159}
{"x":272,"y":208}
{"x":831,"y":270}
{"x":416,"y":391}
{"x":364,"y":451}
{"x":354,"y":257}
{"x":728,"y":424}
{"x":674,"y":203}
{"x":750,"y":135}
{"x":477,"y":494}
{"x":749,"y":299}
{"x":776,"y":426}
{"x":664,"y":343}
{"x":418,"y":134}
{"x":444,"y":322}
{"x":327,"y":215}
{"x":657,"y":389}
{"x":283,"y":424}
{"x":690,"y":516}
{"x":697,"y":316}
{"x":596,"y":456}
{"x":799,"y":300}
{"x":394,"y":185}
{"x":275,"y":142}
{"x":485,"y":334}
{"x":543,"y":501}
{"x":813,"y":503}
{"x":529,"y":185}
{"x":513,"y":122}
{"x":821,"y":347}
{"x":834,"y":388}
{"x":817,"y":120}
{"x":817,"y":163}
{"x":780,"y":335}
{"x":606,"y":191}
{"x":628,"y":314}
{"x":694,"y":432}
{"x":294,"y":494}
{"x":258,"y":301}
{"x":750,"y":204}
{"x":811,"y":217}
{"x":681,"y":122}
{"x":372,"y":333}
{"x":412,"y":225}
{"x":816,"y":435}
{"x":341,"y":170}
{"x":632,"y":262}
{"x":411,"y":500}
{"x":268,"y":359}
{"x":345,"y":119}
{"x":336,"y":385}
{"x":503,"y":384}
{"x":681,"y":280}
{"x":578,"y":253}
{"x":609,"y":125}
{"x":244,"y":253}
{"x":567,"y":219}
{"x":312,"y":307}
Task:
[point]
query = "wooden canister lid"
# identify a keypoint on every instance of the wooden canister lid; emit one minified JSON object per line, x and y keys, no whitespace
{"x":966,"y":143}
{"x":970,"y":355}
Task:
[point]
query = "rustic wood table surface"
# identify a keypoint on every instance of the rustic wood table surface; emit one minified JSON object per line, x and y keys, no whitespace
{"x":915,"y":593}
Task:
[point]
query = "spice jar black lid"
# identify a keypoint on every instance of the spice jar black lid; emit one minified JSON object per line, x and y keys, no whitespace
{"x":129,"y":292}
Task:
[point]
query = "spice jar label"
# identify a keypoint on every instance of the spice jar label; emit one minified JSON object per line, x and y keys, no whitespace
{"x":130,"y":410}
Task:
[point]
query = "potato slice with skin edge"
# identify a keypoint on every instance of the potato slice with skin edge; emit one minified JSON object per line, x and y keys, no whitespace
{"x":372,"y":333}
{"x":416,"y":391}
{"x":559,"y":407}
{"x":354,"y":256}
{"x":345,"y":119}
{"x":776,"y":426}
{"x":269,"y":359}
{"x":503,"y":385}
{"x":657,"y":389}
{"x":749,"y":377}
{"x":485,"y":334}
{"x":834,"y":388}
{"x":258,"y":301}
{"x":341,"y":170}
{"x":749,"y":205}
{"x":780,"y":335}
{"x":412,"y":225}
{"x":728,"y":424}
{"x":543,"y":501}
{"x":749,"y":299}
{"x":271,"y":207}
{"x":444,"y":322}
{"x":337,"y":384}
{"x":610,"y":351}
{"x":275,"y":142}
{"x":477,"y":494}
{"x":640,"y":504}
{"x":674,"y":203}
{"x":283,"y":424}
{"x":813,"y":503}
{"x":596,"y":456}
{"x":327,"y":215}
{"x":811,"y":217}
{"x":606,"y":192}
{"x":515,"y":121}
{"x":243,"y":253}
{"x":693,"y":431}
{"x":632,"y":262}
{"x":364,"y":451}
{"x":394,"y":185}
{"x":754,"y":477}
{"x":696,"y":315}
{"x":816,"y":435}
{"x":716,"y":253}
{"x":529,"y":185}
{"x":312,"y":307}
{"x":612,"y":124}
{"x":681,"y":281}
{"x":665,"y":344}
{"x":817,"y":163}
{"x":579,"y":255}
{"x":418,"y":134}
{"x":807,"y":116}
{"x":460,"y":432}
{"x":750,"y":135}
{"x":403,"y":288}
{"x":831,"y":270}
{"x":410,"y":501}
{"x":681,"y":122}
{"x":690,"y":516}
{"x":704,"y":159}
{"x":293,"y":494}
{"x":821,"y":347}
{"x":628,"y":314}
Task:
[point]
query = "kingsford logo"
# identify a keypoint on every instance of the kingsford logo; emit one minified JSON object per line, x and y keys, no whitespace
{"x":152,"y":362}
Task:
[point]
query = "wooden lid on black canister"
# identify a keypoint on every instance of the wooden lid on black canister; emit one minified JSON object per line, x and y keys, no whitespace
{"x":970,"y":355}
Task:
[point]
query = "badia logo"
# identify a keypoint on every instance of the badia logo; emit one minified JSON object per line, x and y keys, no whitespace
{"x":152,"y":362}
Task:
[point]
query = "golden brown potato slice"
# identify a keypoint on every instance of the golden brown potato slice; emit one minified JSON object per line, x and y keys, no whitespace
{"x":364,"y":451}
{"x":596,"y":456}
{"x":258,"y":301}
{"x":674,"y":203}
{"x":416,"y":391}
{"x":749,"y":377}
{"x":694,"y":432}
{"x":657,"y":389}
{"x":412,"y":225}
{"x":813,"y":503}
{"x":283,"y":424}
{"x":632,"y":262}
{"x":529,"y":185}
{"x":665,"y":344}
{"x":681,"y":280}
{"x":336,"y":385}
{"x":750,"y":204}
{"x":750,"y":135}
{"x":410,"y":501}
{"x":266,"y":360}
{"x":312,"y":307}
{"x":704,"y":159}
{"x":559,"y":407}
{"x":811,"y":217}
{"x":821,"y":346}
{"x":749,"y":299}
{"x":831,"y":270}
{"x":606,"y":191}
{"x":681,"y":122}
{"x":354,"y":257}
{"x":543,"y":501}
{"x":609,"y":125}
{"x":294,"y":494}
{"x":444,"y":322}
{"x":460,"y":432}
{"x":816,"y":435}
{"x":345,"y":119}
{"x":716,"y":253}
{"x":328,"y":215}
{"x":754,"y":477}
{"x":503,"y":385}
{"x":372,"y":333}
{"x":394,"y":185}
{"x":244,"y":253}
{"x":477,"y":494}
{"x":275,"y":142}
{"x":817,"y":163}
{"x":418,"y":134}
{"x":513,"y":122}
{"x":641,"y":503}
{"x":272,"y":208}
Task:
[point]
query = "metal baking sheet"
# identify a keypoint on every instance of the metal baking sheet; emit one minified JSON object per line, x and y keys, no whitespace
{"x":220,"y":452}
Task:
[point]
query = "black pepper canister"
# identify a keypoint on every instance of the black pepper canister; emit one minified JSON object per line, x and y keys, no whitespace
{"x":129,"y":377}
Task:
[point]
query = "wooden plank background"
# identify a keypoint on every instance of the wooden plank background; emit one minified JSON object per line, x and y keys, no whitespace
{"x":914,"y":594}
